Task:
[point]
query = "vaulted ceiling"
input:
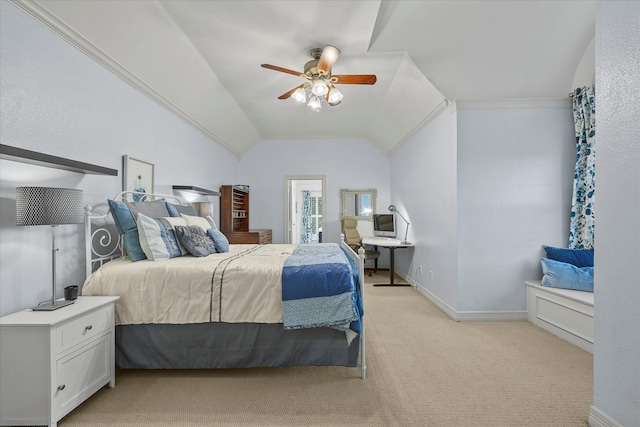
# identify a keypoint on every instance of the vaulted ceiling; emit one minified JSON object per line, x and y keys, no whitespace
{"x":201,"y":59}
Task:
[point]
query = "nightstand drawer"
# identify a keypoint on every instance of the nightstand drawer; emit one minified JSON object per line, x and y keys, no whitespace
{"x":84,"y":328}
{"x":72,"y":389}
{"x":265,"y":237}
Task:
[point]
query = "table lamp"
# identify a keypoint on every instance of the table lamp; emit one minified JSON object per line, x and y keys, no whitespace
{"x":49,"y":206}
{"x":392,"y":208}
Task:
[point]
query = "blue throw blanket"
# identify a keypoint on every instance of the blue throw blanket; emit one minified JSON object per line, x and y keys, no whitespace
{"x":319,"y":288}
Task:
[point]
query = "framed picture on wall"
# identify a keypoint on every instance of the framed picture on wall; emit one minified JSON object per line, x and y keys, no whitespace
{"x":137,"y":176}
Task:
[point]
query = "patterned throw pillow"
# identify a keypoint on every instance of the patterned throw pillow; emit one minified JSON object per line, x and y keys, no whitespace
{"x":157,"y":239}
{"x":195,"y":240}
{"x":220,"y":240}
{"x":197,"y":220}
{"x":173,"y":221}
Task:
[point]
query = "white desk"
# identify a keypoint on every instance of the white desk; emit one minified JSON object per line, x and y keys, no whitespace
{"x":392,"y":244}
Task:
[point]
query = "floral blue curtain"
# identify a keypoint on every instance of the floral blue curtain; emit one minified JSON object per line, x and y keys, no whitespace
{"x":305,"y":236}
{"x":581,"y":228}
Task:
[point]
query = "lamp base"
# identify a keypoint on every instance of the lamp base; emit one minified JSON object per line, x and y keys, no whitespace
{"x":48,"y":306}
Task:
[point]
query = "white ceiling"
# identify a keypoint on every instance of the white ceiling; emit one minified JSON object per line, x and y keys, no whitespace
{"x":202,"y":58}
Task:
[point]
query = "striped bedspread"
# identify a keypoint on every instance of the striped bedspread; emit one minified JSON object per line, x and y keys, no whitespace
{"x":318,"y":288}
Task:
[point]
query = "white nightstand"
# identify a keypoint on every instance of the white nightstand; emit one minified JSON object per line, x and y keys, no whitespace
{"x":51,"y":361}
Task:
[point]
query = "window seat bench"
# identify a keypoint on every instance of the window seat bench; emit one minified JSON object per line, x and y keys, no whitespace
{"x":563,"y":312}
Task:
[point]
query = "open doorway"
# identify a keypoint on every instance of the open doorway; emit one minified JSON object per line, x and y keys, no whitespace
{"x":304,"y":210}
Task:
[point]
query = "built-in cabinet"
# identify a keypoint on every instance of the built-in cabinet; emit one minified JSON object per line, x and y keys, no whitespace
{"x":234,"y":217}
{"x":52,"y":361}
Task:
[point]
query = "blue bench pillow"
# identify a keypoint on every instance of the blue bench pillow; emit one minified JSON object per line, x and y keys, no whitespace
{"x":577,"y":257}
{"x":557,"y":274}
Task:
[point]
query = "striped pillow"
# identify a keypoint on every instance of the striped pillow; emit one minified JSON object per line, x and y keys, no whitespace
{"x":157,"y":238}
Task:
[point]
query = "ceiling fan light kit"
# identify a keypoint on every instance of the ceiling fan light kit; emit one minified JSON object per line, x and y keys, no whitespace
{"x":321,"y":84}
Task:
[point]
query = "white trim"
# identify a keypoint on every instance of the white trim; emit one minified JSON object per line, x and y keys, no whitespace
{"x":469,"y":316}
{"x":443,"y":105}
{"x":597,"y":418}
{"x":68,"y":34}
{"x":515,"y":103}
{"x":492,"y":316}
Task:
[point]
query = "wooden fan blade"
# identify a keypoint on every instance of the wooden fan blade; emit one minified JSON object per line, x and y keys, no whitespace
{"x":288,"y":94}
{"x":355,"y":79}
{"x":327,"y":59}
{"x":282,"y":70}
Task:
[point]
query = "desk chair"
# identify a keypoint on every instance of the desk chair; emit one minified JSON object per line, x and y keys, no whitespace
{"x":353,"y":239}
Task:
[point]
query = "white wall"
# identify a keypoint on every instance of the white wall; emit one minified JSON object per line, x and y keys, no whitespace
{"x":484,"y":189}
{"x":515,"y":175}
{"x":617,"y":248}
{"x":423,"y":187}
{"x":56,"y":100}
{"x":350,"y":163}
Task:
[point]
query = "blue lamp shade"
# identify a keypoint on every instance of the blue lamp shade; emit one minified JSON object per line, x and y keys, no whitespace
{"x":48,"y":206}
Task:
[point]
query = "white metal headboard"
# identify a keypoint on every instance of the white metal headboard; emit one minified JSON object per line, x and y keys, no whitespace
{"x":103,"y":242}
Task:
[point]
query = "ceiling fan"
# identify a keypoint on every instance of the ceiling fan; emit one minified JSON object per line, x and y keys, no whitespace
{"x":321,"y":83}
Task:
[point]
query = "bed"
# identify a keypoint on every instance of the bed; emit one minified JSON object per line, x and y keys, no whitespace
{"x":271,"y":305}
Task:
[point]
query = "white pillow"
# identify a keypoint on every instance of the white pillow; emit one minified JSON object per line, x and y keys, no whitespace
{"x":212,"y":222}
{"x":197,"y":221}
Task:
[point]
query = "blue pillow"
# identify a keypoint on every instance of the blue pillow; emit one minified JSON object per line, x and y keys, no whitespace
{"x":126,"y":224}
{"x":577,"y":257}
{"x":557,"y":274}
{"x":195,"y":239}
{"x":219,"y":239}
{"x":176,"y":210}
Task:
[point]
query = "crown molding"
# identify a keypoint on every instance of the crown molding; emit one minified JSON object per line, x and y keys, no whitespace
{"x":514,"y":103}
{"x":445,"y":104}
{"x":43,"y":16}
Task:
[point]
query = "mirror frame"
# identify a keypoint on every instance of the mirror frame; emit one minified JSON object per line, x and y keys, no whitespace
{"x":371,"y":191}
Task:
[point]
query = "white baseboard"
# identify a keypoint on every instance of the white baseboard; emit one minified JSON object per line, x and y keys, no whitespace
{"x":469,"y":316}
{"x":598,"y":418}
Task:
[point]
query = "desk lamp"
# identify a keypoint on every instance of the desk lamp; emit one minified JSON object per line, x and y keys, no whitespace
{"x":49,"y":206}
{"x":393,"y":208}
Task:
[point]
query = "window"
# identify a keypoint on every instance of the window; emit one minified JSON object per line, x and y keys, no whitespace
{"x":316,"y":214}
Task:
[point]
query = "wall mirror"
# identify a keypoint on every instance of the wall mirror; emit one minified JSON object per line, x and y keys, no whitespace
{"x":359,"y":204}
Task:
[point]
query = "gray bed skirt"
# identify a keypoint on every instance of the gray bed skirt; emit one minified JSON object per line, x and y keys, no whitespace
{"x":231,"y":345}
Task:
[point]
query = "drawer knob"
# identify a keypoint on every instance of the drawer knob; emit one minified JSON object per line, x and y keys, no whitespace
{"x":88,"y":328}
{"x":61,"y":387}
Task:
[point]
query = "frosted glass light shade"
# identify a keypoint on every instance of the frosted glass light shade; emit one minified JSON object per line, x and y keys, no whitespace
{"x":314,"y":103}
{"x":335,"y":96}
{"x":299,"y":95}
{"x":319,"y":88}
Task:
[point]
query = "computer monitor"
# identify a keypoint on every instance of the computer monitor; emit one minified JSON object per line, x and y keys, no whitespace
{"x":384,"y":225}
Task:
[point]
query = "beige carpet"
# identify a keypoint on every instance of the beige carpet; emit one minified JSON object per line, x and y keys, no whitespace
{"x":423,"y":370}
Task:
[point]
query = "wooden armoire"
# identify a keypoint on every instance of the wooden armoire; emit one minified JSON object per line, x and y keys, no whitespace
{"x":234,"y":216}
